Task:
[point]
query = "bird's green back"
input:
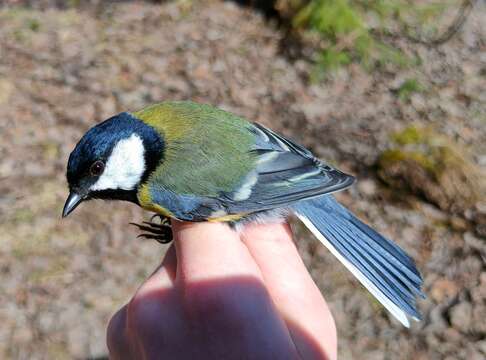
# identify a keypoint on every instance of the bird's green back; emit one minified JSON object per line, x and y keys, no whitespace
{"x":207,"y":150}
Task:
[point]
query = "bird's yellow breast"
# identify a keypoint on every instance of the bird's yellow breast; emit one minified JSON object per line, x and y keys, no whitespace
{"x":146,"y":203}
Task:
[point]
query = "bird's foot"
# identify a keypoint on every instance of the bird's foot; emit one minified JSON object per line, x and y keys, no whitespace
{"x":159,"y":231}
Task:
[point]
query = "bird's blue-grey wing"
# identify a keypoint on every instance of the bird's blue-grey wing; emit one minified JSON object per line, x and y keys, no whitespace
{"x":285,"y":173}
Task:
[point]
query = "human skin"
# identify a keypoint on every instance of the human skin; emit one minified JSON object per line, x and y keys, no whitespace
{"x":220,"y":295}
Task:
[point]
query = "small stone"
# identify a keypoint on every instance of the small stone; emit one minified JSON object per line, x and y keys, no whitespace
{"x":443,"y":289}
{"x":473,"y":242}
{"x":433,"y":212}
{"x":458,"y":223}
{"x":6,"y":89}
{"x":461,"y":316}
{"x":367,"y":187}
{"x":314,"y":110}
{"x":418,"y":102}
{"x":481,"y":206}
{"x":376,"y":355}
{"x":479,"y":312}
{"x":482,"y":346}
{"x":437,"y":321}
{"x":452,"y":335}
{"x":473,"y":354}
{"x":201,"y":72}
{"x":482,"y":278}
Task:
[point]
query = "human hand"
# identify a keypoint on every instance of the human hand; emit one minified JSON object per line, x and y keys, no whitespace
{"x":220,"y":295}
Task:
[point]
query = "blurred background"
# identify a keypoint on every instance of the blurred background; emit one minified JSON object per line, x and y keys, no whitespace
{"x":391,"y":91}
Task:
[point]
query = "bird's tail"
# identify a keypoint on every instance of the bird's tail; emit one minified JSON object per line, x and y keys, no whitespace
{"x":379,"y":264}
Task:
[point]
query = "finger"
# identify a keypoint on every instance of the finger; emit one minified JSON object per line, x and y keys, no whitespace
{"x":119,"y":341}
{"x":155,"y":292}
{"x":292,"y":289}
{"x":210,"y":250}
{"x":223,"y":292}
{"x":153,"y":312}
{"x":116,"y":339}
{"x":163,"y":277}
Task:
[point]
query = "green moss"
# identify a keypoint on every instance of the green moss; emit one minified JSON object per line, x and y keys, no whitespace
{"x":50,"y":150}
{"x":410,"y":135}
{"x":414,"y":144}
{"x":33,"y":24}
{"x":347,"y":34}
{"x":185,"y":6}
{"x":393,"y":156}
{"x":421,"y":145}
{"x":409,"y":87}
{"x":331,"y":60}
{"x":342,"y":25}
{"x":330,"y":18}
{"x":431,"y":165}
{"x":23,"y":23}
{"x":73,"y":3}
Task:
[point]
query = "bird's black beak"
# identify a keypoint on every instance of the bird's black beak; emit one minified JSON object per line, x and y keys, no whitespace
{"x":72,"y":202}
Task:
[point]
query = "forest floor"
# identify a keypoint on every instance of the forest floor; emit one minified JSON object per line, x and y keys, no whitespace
{"x":63,"y":70}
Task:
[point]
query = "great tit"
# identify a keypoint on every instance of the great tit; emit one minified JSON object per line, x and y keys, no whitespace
{"x":195,"y":162}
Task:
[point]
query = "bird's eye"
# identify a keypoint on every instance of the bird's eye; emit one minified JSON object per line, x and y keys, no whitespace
{"x":97,"y":168}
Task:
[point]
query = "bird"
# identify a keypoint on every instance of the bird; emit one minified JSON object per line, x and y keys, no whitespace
{"x":195,"y":162}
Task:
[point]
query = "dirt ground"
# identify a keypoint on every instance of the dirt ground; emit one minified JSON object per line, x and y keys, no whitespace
{"x":63,"y":70}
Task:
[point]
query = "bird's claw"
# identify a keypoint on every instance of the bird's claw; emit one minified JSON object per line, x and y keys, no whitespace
{"x":161,"y":232}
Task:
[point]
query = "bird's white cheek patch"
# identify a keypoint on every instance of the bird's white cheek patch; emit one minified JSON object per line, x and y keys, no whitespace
{"x":125,"y":166}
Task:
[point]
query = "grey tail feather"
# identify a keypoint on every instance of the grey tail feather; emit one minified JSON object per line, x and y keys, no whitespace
{"x":378,"y":263}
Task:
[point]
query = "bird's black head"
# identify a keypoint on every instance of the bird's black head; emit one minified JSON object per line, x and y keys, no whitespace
{"x":112,"y":159}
